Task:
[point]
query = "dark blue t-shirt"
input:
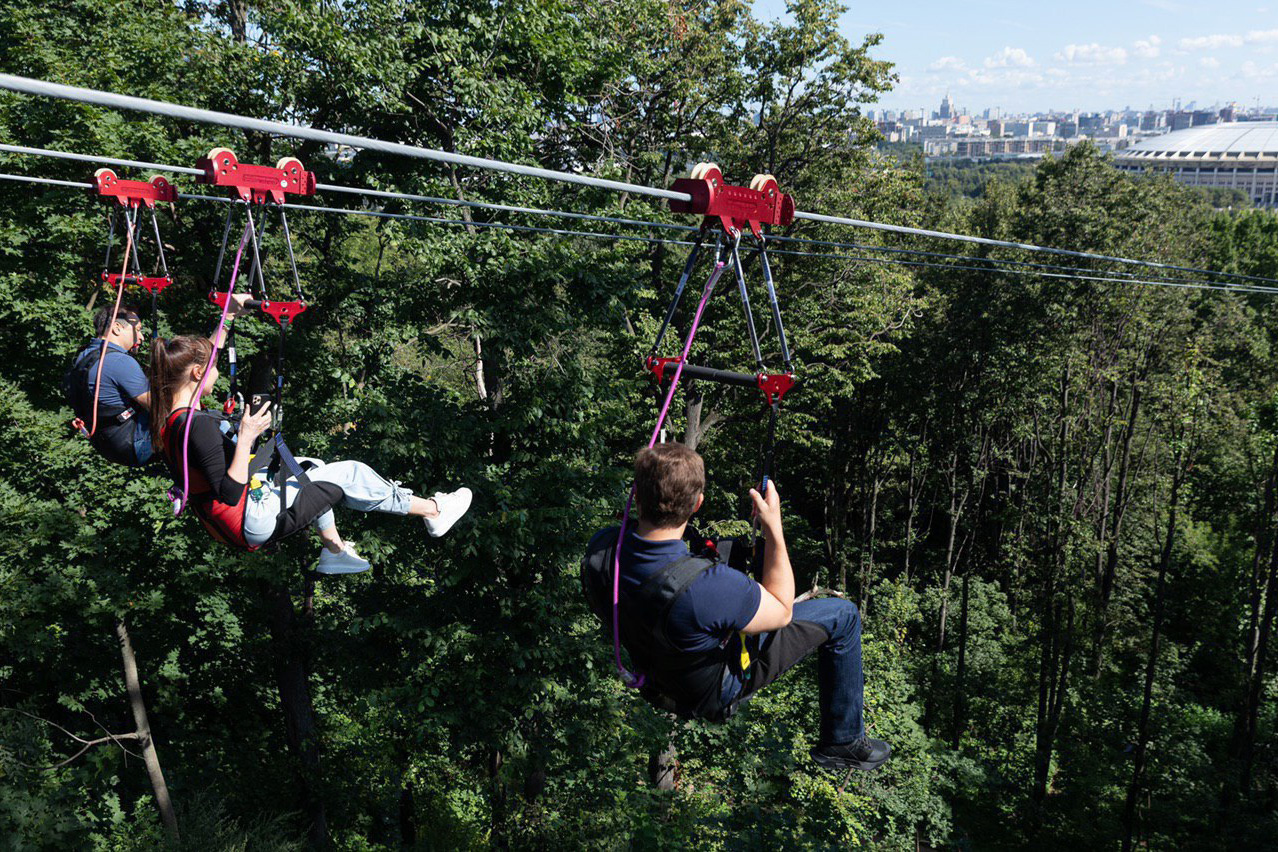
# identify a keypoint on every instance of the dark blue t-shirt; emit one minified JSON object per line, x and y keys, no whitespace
{"x":717,"y":604}
{"x":122,"y":379}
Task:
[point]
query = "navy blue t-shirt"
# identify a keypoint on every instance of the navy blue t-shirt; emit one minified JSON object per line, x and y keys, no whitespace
{"x":717,"y":604}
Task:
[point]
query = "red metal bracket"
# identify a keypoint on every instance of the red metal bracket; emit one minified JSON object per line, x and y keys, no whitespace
{"x":153,"y":284}
{"x":282,"y":312}
{"x":131,"y":193}
{"x":657,"y":366}
{"x":736,"y":207}
{"x":774,"y":387}
{"x":256,"y":183}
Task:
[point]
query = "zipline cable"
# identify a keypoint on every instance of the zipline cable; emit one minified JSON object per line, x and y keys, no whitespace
{"x":505,"y":226}
{"x":644,"y":223}
{"x":91,"y":96}
{"x":30,"y":86}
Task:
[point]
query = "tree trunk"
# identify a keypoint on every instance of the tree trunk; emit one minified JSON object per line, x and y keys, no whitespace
{"x":407,"y":816}
{"x":1142,"y":736}
{"x":662,"y":768}
{"x":1056,"y":649}
{"x":1256,"y":677}
{"x":962,"y":662}
{"x":291,"y":676}
{"x":150,"y":757}
{"x":1121,"y":501}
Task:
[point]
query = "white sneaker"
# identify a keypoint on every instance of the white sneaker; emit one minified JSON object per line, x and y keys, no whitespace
{"x":451,"y":508}
{"x":346,"y":562}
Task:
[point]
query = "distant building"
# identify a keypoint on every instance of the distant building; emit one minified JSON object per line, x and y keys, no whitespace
{"x":947,"y":108}
{"x":977,"y":148}
{"x":1239,"y":155}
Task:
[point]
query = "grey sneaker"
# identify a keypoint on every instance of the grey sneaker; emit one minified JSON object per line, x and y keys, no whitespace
{"x":346,"y":562}
{"x":864,"y":754}
{"x":451,"y":508}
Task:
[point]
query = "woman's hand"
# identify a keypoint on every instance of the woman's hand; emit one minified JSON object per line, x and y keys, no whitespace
{"x":254,"y":423}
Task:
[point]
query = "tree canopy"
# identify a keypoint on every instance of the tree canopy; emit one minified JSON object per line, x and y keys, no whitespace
{"x":1053,"y":498}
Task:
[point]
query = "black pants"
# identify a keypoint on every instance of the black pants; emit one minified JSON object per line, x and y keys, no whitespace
{"x":313,"y":500}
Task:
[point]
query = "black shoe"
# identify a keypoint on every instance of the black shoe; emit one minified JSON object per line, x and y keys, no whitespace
{"x":864,"y":754}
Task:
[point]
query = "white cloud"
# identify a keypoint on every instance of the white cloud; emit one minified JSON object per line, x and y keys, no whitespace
{"x":1209,"y":62}
{"x":1010,"y":57}
{"x":947,"y":63}
{"x":1212,"y":42}
{"x":1253,"y":72}
{"x":1147,"y":48}
{"x":1219,"y":41}
{"x":1092,"y":54}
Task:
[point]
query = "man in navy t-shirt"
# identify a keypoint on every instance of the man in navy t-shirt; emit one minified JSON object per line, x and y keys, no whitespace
{"x":722,"y":608}
{"x":123,"y":431}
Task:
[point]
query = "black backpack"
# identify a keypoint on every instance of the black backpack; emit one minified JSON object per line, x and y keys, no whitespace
{"x":117,"y":425}
{"x":678,"y":681}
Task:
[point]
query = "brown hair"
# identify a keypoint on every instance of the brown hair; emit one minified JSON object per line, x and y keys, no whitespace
{"x":668,"y":480}
{"x":170,"y":359}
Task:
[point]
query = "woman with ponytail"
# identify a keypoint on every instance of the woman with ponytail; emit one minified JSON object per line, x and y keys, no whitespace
{"x":245,"y":511}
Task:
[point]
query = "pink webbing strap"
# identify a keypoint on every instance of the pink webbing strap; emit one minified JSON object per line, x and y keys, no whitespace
{"x":636,"y":680}
{"x":179,"y":502}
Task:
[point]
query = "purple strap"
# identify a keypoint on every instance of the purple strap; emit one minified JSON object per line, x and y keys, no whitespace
{"x":636,"y":680}
{"x":180,"y":500}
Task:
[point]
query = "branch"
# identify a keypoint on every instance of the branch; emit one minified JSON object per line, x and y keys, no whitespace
{"x":819,"y":592}
{"x":86,"y":744}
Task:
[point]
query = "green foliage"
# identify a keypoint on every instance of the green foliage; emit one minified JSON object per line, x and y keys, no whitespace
{"x":954,"y":460}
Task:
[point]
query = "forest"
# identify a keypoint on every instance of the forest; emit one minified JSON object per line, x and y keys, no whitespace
{"x":1054,"y":498}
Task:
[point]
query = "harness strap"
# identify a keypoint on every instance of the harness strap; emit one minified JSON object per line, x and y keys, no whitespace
{"x":115,"y":313}
{"x":180,"y":499}
{"x":636,"y":680}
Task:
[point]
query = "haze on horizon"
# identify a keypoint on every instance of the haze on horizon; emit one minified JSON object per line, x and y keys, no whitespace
{"x":1089,"y":55}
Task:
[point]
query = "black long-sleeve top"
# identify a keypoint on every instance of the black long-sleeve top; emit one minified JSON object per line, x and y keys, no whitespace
{"x":211,"y":451}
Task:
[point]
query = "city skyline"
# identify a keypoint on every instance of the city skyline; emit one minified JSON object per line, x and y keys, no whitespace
{"x":1089,"y":56}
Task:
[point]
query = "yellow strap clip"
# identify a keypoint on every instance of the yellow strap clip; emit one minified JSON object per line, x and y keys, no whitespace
{"x":255,"y":483}
{"x":745,"y":654}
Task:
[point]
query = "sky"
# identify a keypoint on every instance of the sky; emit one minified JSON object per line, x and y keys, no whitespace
{"x":1083,"y":54}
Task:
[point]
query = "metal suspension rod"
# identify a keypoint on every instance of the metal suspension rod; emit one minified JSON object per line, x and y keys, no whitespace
{"x":221,"y":254}
{"x":292,"y":259}
{"x":257,"y":254}
{"x":111,"y":214}
{"x":772,"y":300}
{"x":678,"y":294}
{"x":745,"y":302}
{"x":159,"y":243}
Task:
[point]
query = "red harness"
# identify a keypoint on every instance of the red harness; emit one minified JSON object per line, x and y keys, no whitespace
{"x":224,"y":521}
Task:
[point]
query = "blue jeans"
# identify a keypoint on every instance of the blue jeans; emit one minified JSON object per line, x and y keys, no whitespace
{"x":362,"y":488}
{"x":142,"y":438}
{"x":830,"y":626}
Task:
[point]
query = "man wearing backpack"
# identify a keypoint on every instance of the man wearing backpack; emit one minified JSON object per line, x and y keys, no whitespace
{"x":123,"y":433}
{"x":704,"y":635}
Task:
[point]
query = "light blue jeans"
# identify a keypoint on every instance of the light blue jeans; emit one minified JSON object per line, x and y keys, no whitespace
{"x":363,"y":489}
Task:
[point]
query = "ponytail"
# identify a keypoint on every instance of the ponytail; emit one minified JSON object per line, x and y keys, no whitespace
{"x":171,"y":358}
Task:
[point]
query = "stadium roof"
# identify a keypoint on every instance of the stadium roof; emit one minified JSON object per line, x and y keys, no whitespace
{"x":1234,"y":140}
